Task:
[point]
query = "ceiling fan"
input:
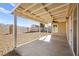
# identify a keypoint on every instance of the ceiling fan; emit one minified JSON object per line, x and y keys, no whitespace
{"x":54,"y":21}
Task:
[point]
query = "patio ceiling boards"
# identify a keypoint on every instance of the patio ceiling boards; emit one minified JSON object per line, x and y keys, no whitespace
{"x":43,"y":12}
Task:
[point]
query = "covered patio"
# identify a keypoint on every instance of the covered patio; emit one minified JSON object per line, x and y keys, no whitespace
{"x":54,"y":43}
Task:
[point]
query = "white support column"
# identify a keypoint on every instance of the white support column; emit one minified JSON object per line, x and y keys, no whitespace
{"x":39,"y":31}
{"x":15,"y":32}
{"x":51,"y":28}
{"x":47,"y":27}
{"x":49,"y":21}
{"x":77,"y":29}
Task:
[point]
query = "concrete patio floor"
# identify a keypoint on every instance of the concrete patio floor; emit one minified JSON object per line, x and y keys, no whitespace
{"x":56,"y":46}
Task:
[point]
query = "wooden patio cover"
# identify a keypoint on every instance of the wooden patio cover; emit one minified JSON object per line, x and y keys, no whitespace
{"x":44,"y":12}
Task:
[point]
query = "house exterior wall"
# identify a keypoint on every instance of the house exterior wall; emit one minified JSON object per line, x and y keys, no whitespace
{"x":72,"y":31}
{"x":61,"y":29}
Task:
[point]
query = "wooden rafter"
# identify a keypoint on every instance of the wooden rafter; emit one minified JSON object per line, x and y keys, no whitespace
{"x":70,"y":9}
{"x":53,"y":9}
{"x":41,"y":7}
{"x":29,"y":7}
{"x":57,"y":12}
{"x":60,"y":17}
{"x":60,"y":14}
{"x":53,"y":13}
{"x":31,"y":16}
{"x":17,"y":5}
{"x":51,"y":16}
{"x":28,"y":12}
{"x":60,"y":11}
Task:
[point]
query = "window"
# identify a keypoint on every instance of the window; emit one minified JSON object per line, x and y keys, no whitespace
{"x":55,"y":27}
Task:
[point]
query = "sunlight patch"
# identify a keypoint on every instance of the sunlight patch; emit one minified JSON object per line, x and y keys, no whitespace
{"x":42,"y":38}
{"x":46,"y":38}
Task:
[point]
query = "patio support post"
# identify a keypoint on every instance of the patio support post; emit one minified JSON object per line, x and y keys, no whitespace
{"x":39,"y":30}
{"x":15,"y":32}
{"x":77,"y":29}
{"x":47,"y":28}
{"x":51,"y":27}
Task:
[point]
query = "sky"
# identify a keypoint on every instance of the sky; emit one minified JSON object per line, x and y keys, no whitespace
{"x":7,"y":18}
